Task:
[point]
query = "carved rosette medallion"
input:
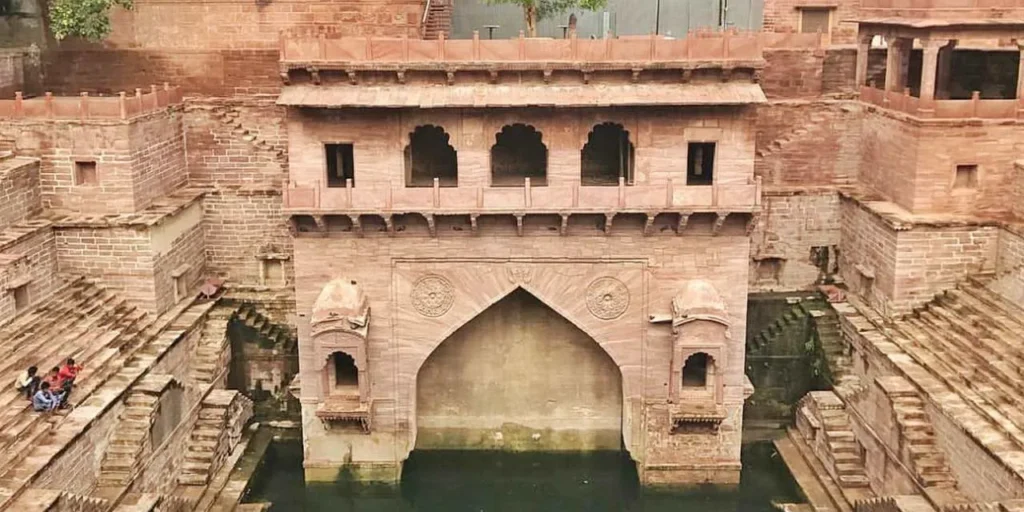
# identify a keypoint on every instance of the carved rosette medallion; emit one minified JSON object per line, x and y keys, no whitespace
{"x":607,"y":298}
{"x":433,"y":296}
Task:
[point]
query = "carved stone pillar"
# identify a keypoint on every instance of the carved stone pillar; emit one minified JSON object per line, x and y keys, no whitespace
{"x":895,"y":60}
{"x":942,"y":74}
{"x":929,"y":67}
{"x":863,"y":51}
{"x":1020,"y":70}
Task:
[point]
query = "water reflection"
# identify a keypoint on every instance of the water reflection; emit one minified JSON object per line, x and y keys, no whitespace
{"x":500,"y":482}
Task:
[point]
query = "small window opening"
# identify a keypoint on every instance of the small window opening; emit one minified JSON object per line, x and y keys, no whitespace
{"x":21,"y":298}
{"x":607,"y":156}
{"x":519,"y":153}
{"x":816,"y":20}
{"x":429,"y":155}
{"x":346,"y":375}
{"x":340,"y":164}
{"x":769,"y":270}
{"x":966,"y":176}
{"x":85,"y":173}
{"x":700,"y":163}
{"x":695,"y":371}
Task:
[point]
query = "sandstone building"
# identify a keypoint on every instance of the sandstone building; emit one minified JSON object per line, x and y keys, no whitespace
{"x":454,"y":241}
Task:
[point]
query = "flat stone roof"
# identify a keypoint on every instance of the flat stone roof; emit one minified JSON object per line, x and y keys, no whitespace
{"x":540,"y":95}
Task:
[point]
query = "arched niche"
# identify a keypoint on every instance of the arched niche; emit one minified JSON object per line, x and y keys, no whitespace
{"x":339,"y":325}
{"x":519,"y":153}
{"x":701,"y":323}
{"x":607,"y":156}
{"x":429,"y":155}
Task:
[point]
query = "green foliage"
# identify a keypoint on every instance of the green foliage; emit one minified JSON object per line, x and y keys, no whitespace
{"x":88,"y":19}
{"x":536,"y":10}
{"x":545,"y":9}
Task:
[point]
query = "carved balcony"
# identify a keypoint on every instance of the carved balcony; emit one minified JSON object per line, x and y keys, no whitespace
{"x":342,"y":411}
{"x":314,"y":206}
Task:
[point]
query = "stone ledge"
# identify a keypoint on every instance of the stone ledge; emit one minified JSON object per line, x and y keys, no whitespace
{"x":165,"y":208}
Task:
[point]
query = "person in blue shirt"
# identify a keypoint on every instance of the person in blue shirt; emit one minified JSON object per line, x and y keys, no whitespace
{"x":44,"y":400}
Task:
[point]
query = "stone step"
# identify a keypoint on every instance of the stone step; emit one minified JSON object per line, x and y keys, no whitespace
{"x":192,"y":479}
{"x":853,"y":481}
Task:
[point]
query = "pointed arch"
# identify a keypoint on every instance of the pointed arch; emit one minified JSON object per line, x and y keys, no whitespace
{"x":519,"y":153}
{"x":608,"y":155}
{"x":508,"y":364}
{"x":429,"y":155}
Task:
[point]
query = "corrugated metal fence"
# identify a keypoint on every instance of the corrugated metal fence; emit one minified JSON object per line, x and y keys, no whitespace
{"x":620,"y":17}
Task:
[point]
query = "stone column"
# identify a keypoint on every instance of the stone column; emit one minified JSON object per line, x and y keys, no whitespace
{"x":863,"y":50}
{"x":1020,"y":70}
{"x":945,"y":65}
{"x":929,"y":67}
{"x":895,"y":57}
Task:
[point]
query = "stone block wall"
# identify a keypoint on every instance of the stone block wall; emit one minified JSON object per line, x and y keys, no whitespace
{"x":223,"y":49}
{"x":867,"y":254}
{"x":19,"y":190}
{"x":808,"y":143}
{"x":659,"y":137}
{"x":179,"y":245}
{"x":136,"y":162}
{"x":237,"y":225}
{"x":792,"y":73}
{"x":158,"y":157}
{"x":120,"y":257}
{"x":138,"y":260}
{"x":897,"y":269}
{"x":31,"y":260}
{"x":1009,"y":281}
{"x":235,"y":143}
{"x":914,"y":163}
{"x":793,"y":225}
{"x":784,"y":16}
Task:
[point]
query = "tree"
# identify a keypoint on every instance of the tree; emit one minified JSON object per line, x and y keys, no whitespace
{"x":537,"y":10}
{"x":89,"y":19}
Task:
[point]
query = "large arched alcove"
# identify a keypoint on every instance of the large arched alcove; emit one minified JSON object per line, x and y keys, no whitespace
{"x":607,"y":156}
{"x":519,"y":153}
{"x":519,"y":377}
{"x":430,"y":155}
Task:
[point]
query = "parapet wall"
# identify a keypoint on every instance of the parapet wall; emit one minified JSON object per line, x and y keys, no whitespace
{"x":110,"y":155}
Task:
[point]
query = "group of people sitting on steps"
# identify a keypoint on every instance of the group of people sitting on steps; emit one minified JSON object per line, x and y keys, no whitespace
{"x":51,"y":392}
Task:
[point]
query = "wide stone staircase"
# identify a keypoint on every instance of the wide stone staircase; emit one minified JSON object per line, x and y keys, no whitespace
{"x":969,"y":338}
{"x":116,"y":343}
{"x":222,"y":419}
{"x":81,"y":320}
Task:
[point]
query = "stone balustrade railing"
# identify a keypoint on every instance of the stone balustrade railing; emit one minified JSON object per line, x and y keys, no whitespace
{"x":86,"y":107}
{"x":943,"y":109}
{"x":957,"y":10}
{"x":311,"y":47}
{"x":556,"y":198}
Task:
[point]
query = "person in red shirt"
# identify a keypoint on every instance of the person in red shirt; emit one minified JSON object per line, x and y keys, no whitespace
{"x":54,"y":378}
{"x":69,"y":372}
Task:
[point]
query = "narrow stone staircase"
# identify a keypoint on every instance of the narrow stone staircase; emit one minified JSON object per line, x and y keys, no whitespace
{"x":54,"y":500}
{"x":222,"y":418}
{"x":123,"y":459}
{"x":213,"y":351}
{"x":230,"y":117}
{"x":438,"y":19}
{"x":823,"y":422}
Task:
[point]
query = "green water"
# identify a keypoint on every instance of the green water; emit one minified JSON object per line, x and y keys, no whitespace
{"x":506,"y":482}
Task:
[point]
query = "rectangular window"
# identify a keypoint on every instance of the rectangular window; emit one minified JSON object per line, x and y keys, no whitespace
{"x":966,"y":176}
{"x":816,"y":19}
{"x":21,"y":298}
{"x":340,"y":164}
{"x":85,"y":173}
{"x":700,"y":163}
